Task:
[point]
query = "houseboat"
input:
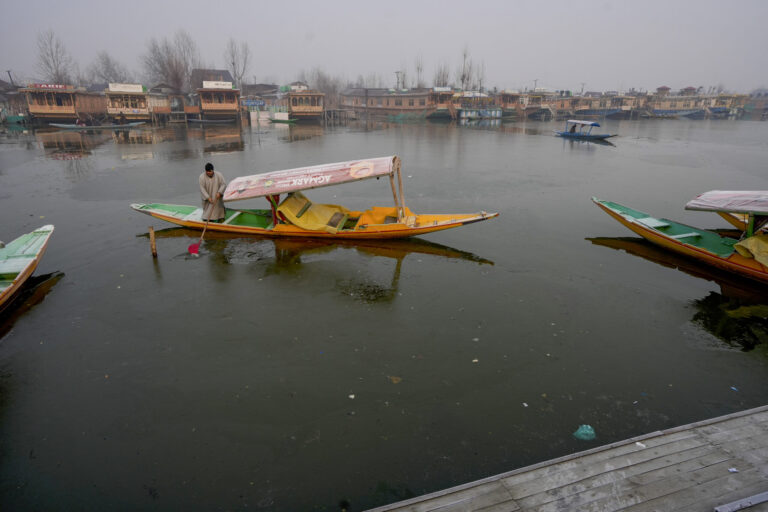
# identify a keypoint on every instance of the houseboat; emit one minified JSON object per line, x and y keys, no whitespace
{"x":472,"y":105}
{"x":393,"y":103}
{"x":127,"y":102}
{"x":219,"y":101}
{"x":59,"y":102}
{"x":305,"y":105}
{"x":685,"y":104}
{"x":440,"y":104}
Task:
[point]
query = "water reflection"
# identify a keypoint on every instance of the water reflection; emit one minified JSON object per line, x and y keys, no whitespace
{"x":738,"y":315}
{"x":298,"y":132}
{"x":31,"y":293}
{"x":70,"y":145}
{"x":288,"y":256}
{"x":218,"y":138}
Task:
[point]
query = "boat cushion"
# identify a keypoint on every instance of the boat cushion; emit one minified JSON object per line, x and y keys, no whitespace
{"x":301,"y":212}
{"x":754,"y":247}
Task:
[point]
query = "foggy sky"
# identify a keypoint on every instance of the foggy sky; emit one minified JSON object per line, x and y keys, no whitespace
{"x":605,"y":45}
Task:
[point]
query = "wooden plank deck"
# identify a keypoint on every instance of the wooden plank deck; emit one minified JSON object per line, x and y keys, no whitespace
{"x":695,"y":467}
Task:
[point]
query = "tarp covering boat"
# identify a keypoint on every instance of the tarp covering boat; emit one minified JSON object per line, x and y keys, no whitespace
{"x":734,"y":201}
{"x":585,"y":123}
{"x":305,"y":178}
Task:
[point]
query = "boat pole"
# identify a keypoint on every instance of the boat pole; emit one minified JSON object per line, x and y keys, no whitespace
{"x":152,"y":243}
{"x":401,"y":211}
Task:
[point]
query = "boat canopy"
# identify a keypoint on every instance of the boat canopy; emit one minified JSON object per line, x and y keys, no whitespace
{"x":584,"y":123}
{"x":732,"y":201}
{"x":305,"y":178}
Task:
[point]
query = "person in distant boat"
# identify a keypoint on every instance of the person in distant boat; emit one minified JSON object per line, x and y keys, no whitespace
{"x":79,"y":122}
{"x":573,"y":129}
{"x":212,"y":186}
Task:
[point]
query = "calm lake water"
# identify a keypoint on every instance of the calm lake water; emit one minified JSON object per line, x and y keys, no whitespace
{"x":293,"y":375}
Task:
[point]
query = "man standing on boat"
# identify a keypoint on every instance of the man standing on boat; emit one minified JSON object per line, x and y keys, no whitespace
{"x":212,"y":186}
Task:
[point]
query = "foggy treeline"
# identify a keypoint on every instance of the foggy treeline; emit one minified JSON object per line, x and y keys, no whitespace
{"x":171,"y":61}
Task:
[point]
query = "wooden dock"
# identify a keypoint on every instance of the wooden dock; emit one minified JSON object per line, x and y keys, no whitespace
{"x":716,"y":465}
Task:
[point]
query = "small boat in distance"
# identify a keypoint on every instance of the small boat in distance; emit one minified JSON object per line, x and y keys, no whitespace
{"x":747,"y":256}
{"x":96,"y":127}
{"x":19,"y":259}
{"x":297,"y":216}
{"x":582,"y":130}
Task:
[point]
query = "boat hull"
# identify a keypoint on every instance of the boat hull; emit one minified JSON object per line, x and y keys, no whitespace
{"x":703,"y":245}
{"x":258,"y":222}
{"x":19,"y":259}
{"x":576,"y":136}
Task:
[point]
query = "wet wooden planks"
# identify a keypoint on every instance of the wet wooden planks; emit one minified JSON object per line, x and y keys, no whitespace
{"x":695,"y":467}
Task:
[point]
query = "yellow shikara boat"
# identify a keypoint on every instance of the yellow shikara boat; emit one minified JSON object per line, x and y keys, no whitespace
{"x":296,"y":216}
{"x":747,"y":256}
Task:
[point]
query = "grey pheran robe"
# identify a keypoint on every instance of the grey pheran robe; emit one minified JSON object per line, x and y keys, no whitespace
{"x":209,"y":190}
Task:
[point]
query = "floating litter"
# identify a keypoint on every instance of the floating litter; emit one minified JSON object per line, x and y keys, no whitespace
{"x":584,"y":433}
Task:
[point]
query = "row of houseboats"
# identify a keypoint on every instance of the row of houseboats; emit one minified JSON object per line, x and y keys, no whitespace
{"x":219,"y":101}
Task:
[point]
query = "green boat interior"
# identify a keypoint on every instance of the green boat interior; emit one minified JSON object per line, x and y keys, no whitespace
{"x":703,"y":239}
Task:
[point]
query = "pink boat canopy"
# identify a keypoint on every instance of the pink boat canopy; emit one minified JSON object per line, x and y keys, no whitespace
{"x":305,"y":178}
{"x":733,"y":201}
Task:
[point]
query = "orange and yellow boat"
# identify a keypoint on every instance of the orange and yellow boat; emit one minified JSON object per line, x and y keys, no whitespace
{"x":292,"y":214}
{"x":747,"y":255}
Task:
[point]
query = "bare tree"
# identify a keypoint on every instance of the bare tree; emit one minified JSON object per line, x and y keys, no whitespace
{"x":171,"y":61}
{"x":480,"y":76}
{"x":419,"y":72}
{"x":107,"y":69}
{"x":53,"y":60}
{"x":464,"y":73}
{"x":319,"y":80}
{"x":442,"y":75}
{"x":237,"y":57}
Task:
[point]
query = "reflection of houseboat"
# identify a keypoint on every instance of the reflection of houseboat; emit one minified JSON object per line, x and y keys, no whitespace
{"x":127,"y":102}
{"x":69,"y":145}
{"x":398,"y":103}
{"x":56,"y":102}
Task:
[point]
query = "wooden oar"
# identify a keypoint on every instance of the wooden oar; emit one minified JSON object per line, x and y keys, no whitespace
{"x":195,"y":248}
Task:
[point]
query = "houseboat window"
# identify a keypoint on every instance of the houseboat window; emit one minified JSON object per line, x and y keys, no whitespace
{"x":398,"y":102}
{"x":422,"y":102}
{"x":410,"y":102}
{"x":378,"y":102}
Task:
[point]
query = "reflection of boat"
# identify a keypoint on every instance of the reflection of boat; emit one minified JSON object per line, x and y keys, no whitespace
{"x":707,"y":246}
{"x":297,"y":216}
{"x":125,"y":126}
{"x":582,"y":130}
{"x":737,"y":315}
{"x":212,"y":121}
{"x":280,"y":255}
{"x":32,"y":293}
{"x":398,"y":248}
{"x":19,"y":259}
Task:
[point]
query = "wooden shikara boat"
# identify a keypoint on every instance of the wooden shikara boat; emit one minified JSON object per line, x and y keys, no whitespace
{"x":19,"y":259}
{"x":740,"y":256}
{"x":125,"y":126}
{"x":582,"y":130}
{"x":297,"y":216}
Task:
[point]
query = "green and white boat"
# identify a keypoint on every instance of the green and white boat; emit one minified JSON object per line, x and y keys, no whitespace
{"x":19,"y":259}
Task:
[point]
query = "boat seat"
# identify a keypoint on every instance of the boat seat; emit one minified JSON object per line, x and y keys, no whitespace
{"x":685,"y":235}
{"x":11,"y":267}
{"x":195,"y":215}
{"x":652,"y":222}
{"x":305,"y":214}
{"x":232,"y":217}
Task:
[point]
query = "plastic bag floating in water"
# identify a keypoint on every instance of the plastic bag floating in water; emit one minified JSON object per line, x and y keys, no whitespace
{"x":584,"y":433}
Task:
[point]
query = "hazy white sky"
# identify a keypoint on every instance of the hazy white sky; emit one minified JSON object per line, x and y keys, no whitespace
{"x":607,"y":45}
